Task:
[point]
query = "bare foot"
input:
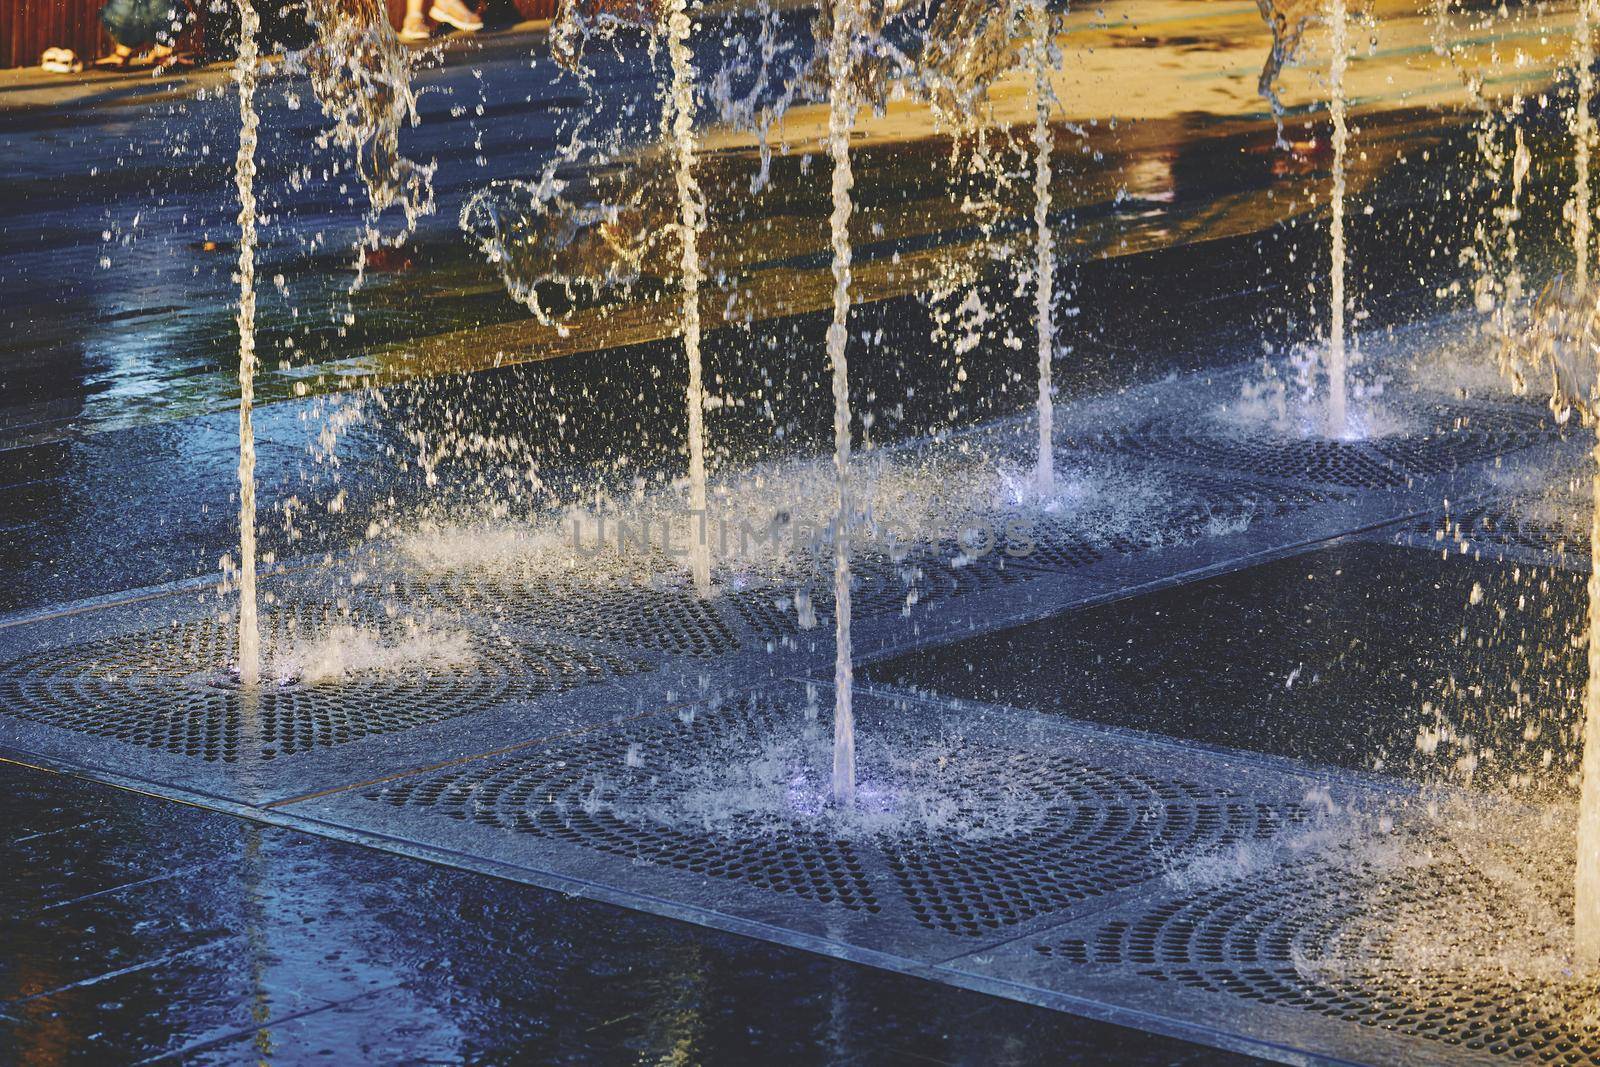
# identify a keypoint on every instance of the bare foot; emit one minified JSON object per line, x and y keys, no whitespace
{"x":119,"y":57}
{"x":167,"y":58}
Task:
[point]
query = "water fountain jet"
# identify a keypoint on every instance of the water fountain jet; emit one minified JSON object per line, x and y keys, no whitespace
{"x":1582,"y":130}
{"x":841,"y":117}
{"x":680,"y":106}
{"x":1579,"y":393}
{"x":1045,"y":259}
{"x":1562,"y":343}
{"x":1338,"y":423}
{"x":245,"y":73}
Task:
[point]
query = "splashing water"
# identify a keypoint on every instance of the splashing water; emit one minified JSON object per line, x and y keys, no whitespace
{"x":1039,"y":24}
{"x":1287,"y":19}
{"x":245,"y":73}
{"x":841,"y":116}
{"x":586,"y":236}
{"x":361,"y":75}
{"x":1561,"y":343}
{"x":347,"y":652}
{"x":754,"y":783}
{"x":546,"y":235}
{"x":1340,"y":49}
{"x":680,"y":105}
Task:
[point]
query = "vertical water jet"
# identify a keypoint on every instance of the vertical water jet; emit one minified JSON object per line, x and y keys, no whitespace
{"x":1339,"y":54}
{"x":841,"y":117}
{"x":691,"y":221}
{"x":1586,"y":887}
{"x":1045,"y":258}
{"x":1582,"y":128}
{"x":245,"y":72}
{"x":1586,"y":895}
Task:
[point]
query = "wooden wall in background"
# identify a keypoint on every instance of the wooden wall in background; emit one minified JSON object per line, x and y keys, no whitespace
{"x":28,"y":27}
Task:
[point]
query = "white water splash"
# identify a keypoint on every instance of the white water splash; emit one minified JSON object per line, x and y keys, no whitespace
{"x":1586,"y":902}
{"x":346,"y":652}
{"x":756,"y":785}
{"x":1276,"y":406}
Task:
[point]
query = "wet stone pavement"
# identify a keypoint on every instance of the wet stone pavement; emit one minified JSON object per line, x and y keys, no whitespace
{"x":140,"y":930}
{"x":136,"y":928}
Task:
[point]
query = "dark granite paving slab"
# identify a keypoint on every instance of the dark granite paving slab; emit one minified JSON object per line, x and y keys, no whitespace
{"x":1335,"y":656}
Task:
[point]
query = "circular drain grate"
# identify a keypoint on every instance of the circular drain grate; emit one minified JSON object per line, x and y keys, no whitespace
{"x":1316,"y":461}
{"x":1446,"y":437}
{"x":555,"y":794}
{"x":1083,"y":829}
{"x":1099,"y":830}
{"x":668,"y":620}
{"x":1321,"y":938}
{"x":170,"y":690}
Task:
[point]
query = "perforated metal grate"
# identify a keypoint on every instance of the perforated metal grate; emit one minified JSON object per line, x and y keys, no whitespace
{"x":659,"y":619}
{"x":1200,"y":506}
{"x":1443,"y":437}
{"x":171,"y":689}
{"x":553,"y":794}
{"x":1099,"y":830}
{"x":1363,"y":945}
{"x":1086,"y":828}
{"x":1447,"y":452}
{"x":1315,"y":461}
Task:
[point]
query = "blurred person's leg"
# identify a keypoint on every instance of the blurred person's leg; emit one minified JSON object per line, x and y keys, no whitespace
{"x":415,"y":27}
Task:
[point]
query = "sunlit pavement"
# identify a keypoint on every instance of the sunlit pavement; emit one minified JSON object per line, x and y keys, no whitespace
{"x":144,"y":929}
